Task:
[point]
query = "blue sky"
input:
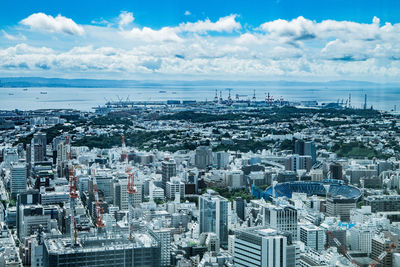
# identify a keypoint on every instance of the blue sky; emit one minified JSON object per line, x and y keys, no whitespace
{"x":280,"y":39}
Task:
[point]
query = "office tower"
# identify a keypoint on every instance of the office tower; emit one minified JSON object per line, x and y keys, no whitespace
{"x":360,"y":238}
{"x":38,"y":146}
{"x":335,"y":170}
{"x":173,"y":187}
{"x":310,"y":150}
{"x":214,"y":215}
{"x":264,"y":247}
{"x":40,"y":138}
{"x":31,"y":218}
{"x":235,"y":179}
{"x":18,"y":179}
{"x":385,"y":242}
{"x":312,"y":236}
{"x":103,"y":251}
{"x":296,"y":162}
{"x":168,"y":171}
{"x":203,"y":157}
{"x":282,"y":218}
{"x":30,"y":197}
{"x":221,"y":159}
{"x":340,"y":207}
{"x":164,"y":237}
{"x":303,"y":148}
{"x":10,"y":156}
{"x":240,"y":205}
{"x":299,"y":147}
{"x":383,"y":203}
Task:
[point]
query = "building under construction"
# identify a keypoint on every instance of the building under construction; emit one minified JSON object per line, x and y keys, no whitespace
{"x":99,"y":250}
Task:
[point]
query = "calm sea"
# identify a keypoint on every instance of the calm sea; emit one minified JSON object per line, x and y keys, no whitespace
{"x":383,"y":98}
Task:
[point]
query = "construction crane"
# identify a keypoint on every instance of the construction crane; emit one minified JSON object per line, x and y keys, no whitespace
{"x":73,"y":195}
{"x":130,"y":188}
{"x":99,"y":209}
{"x":350,"y":258}
{"x":344,"y":250}
{"x":383,"y":254}
{"x":124,"y":155}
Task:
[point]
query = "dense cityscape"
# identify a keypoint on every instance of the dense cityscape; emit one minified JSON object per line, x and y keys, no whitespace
{"x":228,"y":182}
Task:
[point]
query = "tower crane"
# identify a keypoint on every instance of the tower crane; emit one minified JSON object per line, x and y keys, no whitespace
{"x":73,"y":195}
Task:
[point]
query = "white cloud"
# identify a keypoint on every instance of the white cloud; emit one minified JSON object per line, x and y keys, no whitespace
{"x":224,"y":24}
{"x":59,"y":24}
{"x":147,"y":34}
{"x":13,"y":37}
{"x":187,"y":13}
{"x":295,"y":48}
{"x":125,"y":18}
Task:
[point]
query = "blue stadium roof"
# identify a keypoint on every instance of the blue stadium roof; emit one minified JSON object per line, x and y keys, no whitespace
{"x":310,"y":188}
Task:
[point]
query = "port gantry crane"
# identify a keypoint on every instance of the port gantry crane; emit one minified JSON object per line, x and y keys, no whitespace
{"x":352,"y":260}
{"x":72,"y":192}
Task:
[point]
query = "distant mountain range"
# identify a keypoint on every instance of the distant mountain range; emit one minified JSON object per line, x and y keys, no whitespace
{"x":58,"y":82}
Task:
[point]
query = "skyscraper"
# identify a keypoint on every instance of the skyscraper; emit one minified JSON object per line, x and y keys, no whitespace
{"x":18,"y":179}
{"x":266,"y":247}
{"x":168,"y":170}
{"x":214,"y":215}
{"x":203,"y":157}
{"x":282,"y":218}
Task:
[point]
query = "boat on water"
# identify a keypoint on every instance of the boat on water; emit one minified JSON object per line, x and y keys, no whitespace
{"x":10,"y":94}
{"x":162,"y":92}
{"x":43,"y":93}
{"x":25,"y":89}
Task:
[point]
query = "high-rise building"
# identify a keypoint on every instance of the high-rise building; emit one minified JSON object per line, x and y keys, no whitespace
{"x":203,"y":157}
{"x":312,"y":236}
{"x":240,"y":205}
{"x":18,"y":179}
{"x":214,"y":215}
{"x":282,"y":218}
{"x":221,"y":159}
{"x":264,"y":247}
{"x":360,"y":238}
{"x":336,"y":171}
{"x":385,"y":242}
{"x":173,"y":187}
{"x":168,"y":170}
{"x":383,"y":203}
{"x":142,"y":251}
{"x":164,"y":237}
{"x":340,"y":207}
{"x":296,"y":162}
{"x":299,"y":147}
{"x":303,"y":148}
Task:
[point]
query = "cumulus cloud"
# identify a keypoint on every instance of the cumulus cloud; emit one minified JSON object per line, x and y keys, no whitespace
{"x":13,"y":37}
{"x":48,"y":23}
{"x":224,"y":24}
{"x":187,"y":13}
{"x":125,"y":18}
{"x":296,"y":48}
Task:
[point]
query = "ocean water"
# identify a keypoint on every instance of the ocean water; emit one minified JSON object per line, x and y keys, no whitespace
{"x":382,"y":98}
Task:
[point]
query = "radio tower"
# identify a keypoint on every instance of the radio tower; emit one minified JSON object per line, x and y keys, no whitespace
{"x":130,"y":188}
{"x":269,"y":99}
{"x":99,"y":210}
{"x":216,"y":96}
{"x":72,"y":193}
{"x":254,"y":95}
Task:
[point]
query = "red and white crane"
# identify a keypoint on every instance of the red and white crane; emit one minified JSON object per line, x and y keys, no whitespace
{"x":131,"y":190}
{"x":99,"y":209}
{"x":73,"y":195}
